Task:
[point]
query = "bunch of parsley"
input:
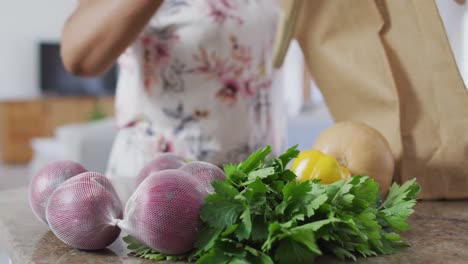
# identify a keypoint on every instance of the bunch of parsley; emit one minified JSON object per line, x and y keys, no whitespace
{"x":261,"y":214}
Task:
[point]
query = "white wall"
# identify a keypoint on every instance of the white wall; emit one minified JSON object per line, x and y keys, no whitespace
{"x":452,"y":15}
{"x":23,"y":24}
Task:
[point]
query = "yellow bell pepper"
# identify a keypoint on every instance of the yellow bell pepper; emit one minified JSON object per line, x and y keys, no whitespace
{"x":313,"y":164}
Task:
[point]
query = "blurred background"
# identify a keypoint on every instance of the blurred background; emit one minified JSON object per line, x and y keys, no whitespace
{"x":47,"y":114}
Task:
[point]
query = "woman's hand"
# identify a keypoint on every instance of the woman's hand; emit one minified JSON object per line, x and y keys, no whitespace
{"x":100,"y":30}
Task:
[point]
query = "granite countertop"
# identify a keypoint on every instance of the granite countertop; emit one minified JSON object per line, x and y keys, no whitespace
{"x":439,"y":234}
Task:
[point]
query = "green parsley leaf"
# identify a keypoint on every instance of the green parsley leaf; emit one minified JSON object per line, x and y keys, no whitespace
{"x":142,"y":251}
{"x":206,"y":238}
{"x":261,"y":173}
{"x":255,"y":160}
{"x":399,"y":205}
{"x":224,"y":189}
{"x":408,"y":191}
{"x":221,"y":212}
{"x":214,"y":256}
{"x":365,"y":191}
{"x":257,"y":257}
{"x":295,"y":197}
{"x":259,"y":229}
{"x":396,"y":215}
{"x":232,"y":248}
{"x":239,"y":261}
{"x":287,"y":176}
{"x":290,"y":251}
{"x":234,"y":175}
{"x":230,"y":230}
{"x":289,"y":155}
{"x":245,"y":228}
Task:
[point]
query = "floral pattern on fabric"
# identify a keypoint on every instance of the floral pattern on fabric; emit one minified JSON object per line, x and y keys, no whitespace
{"x":222,"y":10}
{"x":157,"y":53}
{"x":199,"y":82}
{"x":234,"y":72}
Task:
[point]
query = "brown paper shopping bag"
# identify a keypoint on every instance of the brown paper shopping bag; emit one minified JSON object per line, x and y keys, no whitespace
{"x":388,"y":63}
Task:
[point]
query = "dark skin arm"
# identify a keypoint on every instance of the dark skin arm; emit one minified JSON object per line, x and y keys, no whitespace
{"x":99,"y":31}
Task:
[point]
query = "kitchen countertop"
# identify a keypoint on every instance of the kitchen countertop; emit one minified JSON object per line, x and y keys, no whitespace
{"x":439,"y":234}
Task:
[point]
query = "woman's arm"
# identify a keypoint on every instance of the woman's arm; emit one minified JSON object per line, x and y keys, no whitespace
{"x":100,"y":30}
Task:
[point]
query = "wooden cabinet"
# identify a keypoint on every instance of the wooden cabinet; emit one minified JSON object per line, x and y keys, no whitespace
{"x":21,"y":121}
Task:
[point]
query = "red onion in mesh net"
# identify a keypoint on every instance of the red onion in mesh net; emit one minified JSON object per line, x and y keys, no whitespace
{"x":164,"y":212}
{"x":47,"y":180}
{"x":164,"y":161}
{"x":205,"y":172}
{"x":83,"y":212}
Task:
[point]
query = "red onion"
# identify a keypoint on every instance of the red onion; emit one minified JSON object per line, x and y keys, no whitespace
{"x":83,"y":212}
{"x":46,"y":181}
{"x":164,"y":212}
{"x":204,"y":172}
{"x":164,"y":161}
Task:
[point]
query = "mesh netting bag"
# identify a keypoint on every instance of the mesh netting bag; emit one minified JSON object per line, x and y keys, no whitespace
{"x":204,"y":172}
{"x":165,"y":161}
{"x":47,"y":180}
{"x":83,"y":212}
{"x":164,"y":211}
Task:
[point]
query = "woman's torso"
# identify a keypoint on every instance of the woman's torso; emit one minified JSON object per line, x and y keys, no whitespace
{"x":198,"y":81}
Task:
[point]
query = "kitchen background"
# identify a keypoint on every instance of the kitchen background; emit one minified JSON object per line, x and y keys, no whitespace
{"x":39,"y":124}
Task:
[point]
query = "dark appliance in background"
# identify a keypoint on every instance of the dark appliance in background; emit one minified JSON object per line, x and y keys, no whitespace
{"x":56,"y":81}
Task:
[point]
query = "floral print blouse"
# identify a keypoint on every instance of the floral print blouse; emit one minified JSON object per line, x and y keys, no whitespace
{"x":199,"y":82}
